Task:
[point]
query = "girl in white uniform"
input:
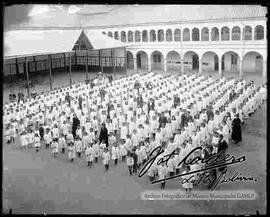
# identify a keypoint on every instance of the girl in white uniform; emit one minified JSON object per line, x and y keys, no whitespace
{"x":71,"y":152}
{"x":90,"y":154}
{"x":78,"y":146}
{"x":123,"y":133}
{"x":37,"y":142}
{"x":62,"y":144}
{"x":23,"y":140}
{"x":123,"y":151}
{"x":106,"y":159}
{"x":163,"y":173}
{"x":55,"y":148}
{"x":115,"y":153}
{"x":96,"y":149}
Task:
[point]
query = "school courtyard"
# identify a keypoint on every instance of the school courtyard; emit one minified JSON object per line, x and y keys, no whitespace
{"x":37,"y":183}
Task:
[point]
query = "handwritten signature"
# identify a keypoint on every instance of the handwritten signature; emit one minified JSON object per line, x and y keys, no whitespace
{"x":205,"y":175}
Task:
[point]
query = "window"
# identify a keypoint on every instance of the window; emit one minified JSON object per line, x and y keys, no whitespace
{"x":123,"y":36}
{"x":225,"y":34}
{"x":137,"y":36}
{"x":110,"y":34}
{"x":195,"y":34}
{"x":177,"y":35}
{"x":186,"y":35}
{"x":160,"y":35}
{"x":247,"y":33}
{"x":130,"y":36}
{"x":205,"y":34}
{"x":214,"y":34}
{"x":169,"y":35}
{"x":259,"y":33}
{"x":116,"y":35}
{"x":153,"y":35}
{"x":236,"y":33}
{"x":144,"y":35}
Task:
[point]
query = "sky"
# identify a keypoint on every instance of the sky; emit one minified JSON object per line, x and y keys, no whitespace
{"x":16,"y":16}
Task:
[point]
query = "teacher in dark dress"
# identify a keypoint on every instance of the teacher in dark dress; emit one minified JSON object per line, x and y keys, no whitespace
{"x":236,"y":130}
{"x":75,"y":124}
{"x":104,"y":134}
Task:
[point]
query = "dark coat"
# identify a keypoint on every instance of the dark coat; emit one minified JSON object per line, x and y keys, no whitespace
{"x":104,"y":135}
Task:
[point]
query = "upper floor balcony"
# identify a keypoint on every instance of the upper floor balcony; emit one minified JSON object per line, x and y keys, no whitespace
{"x":235,"y":35}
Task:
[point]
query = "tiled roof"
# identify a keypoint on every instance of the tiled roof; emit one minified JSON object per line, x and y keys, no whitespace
{"x":165,"y":13}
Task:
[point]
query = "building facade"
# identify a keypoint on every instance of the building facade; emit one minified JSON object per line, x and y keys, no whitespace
{"x":218,"y":46}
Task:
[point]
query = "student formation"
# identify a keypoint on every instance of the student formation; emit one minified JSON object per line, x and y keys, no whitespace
{"x":126,"y":119}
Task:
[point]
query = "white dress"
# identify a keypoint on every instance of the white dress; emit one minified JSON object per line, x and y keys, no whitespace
{"x":106,"y":158}
{"x":115,"y":152}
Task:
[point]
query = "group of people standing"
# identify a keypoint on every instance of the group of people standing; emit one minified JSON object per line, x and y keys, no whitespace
{"x":134,"y":116}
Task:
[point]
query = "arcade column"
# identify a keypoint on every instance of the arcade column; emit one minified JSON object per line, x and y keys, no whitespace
{"x":182,"y":66}
{"x":135,"y":65}
{"x":220,"y":67}
{"x":200,"y":66}
{"x":165,"y":64}
{"x":241,"y":69}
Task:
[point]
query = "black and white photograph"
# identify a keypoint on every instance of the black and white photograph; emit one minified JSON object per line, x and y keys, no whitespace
{"x":134,"y":109}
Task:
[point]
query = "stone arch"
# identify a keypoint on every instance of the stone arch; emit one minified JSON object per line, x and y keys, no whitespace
{"x":137,"y":36}
{"x":214,"y":34}
{"x":173,"y":61}
{"x":195,"y":34}
{"x":130,"y":36}
{"x":210,"y":62}
{"x":157,"y":60}
{"x":153,"y":36}
{"x":160,"y":35}
{"x":142,"y":60}
{"x":186,"y":34}
{"x":225,"y":33}
{"x":253,"y":64}
{"x":205,"y":34}
{"x":236,"y":33}
{"x":123,"y":36}
{"x":177,"y":35}
{"x":144,"y":36}
{"x":191,"y":61}
{"x":168,"y":35}
{"x":116,"y":35}
{"x":247,"y":33}
{"x":259,"y":33}
{"x":130,"y":60}
{"x":230,"y":63}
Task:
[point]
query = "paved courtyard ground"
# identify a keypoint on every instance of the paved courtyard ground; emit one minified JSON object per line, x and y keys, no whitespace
{"x":36,"y":183}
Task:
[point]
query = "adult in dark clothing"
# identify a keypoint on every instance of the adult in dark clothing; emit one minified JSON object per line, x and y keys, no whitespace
{"x":222,"y":147}
{"x":135,"y":165}
{"x":41,"y":132}
{"x":104,"y":134}
{"x":236,"y":129}
{"x":75,"y":124}
{"x":162,"y":120}
{"x":80,"y":102}
{"x":68,"y":98}
{"x":183,"y":119}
